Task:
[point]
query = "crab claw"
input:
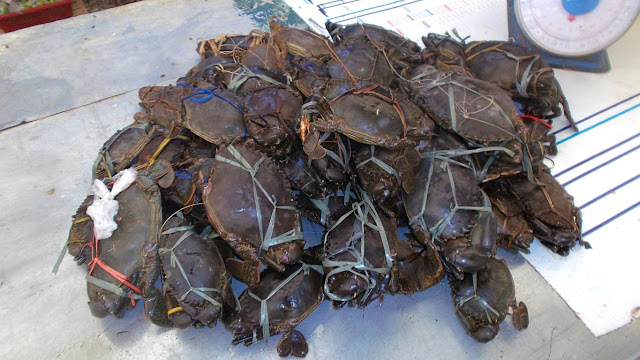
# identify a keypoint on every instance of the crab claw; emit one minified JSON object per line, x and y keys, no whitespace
{"x":312,"y":147}
{"x":293,"y":343}
{"x":485,"y":334}
{"x":247,"y":271}
{"x":345,"y":286}
{"x":520,"y":316}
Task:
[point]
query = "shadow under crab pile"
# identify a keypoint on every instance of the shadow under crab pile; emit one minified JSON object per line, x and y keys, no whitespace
{"x":363,"y":133}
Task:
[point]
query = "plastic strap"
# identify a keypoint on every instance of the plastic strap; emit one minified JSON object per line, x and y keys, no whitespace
{"x":309,"y":108}
{"x":111,"y":287}
{"x":454,"y":153}
{"x":174,"y":310}
{"x":452,"y":105}
{"x":384,"y":166}
{"x":331,"y":153}
{"x":200,"y":291}
{"x":264,"y":312}
{"x":103,"y":154}
{"x":63,"y":252}
{"x":245,"y":75}
{"x":95,"y":260}
{"x":183,"y":173}
{"x":323,"y":206}
{"x":431,"y":70}
{"x":483,"y":302}
{"x":204,"y":95}
{"x":161,"y":147}
{"x":361,"y":211}
{"x":439,"y":227}
{"x":267,"y":239}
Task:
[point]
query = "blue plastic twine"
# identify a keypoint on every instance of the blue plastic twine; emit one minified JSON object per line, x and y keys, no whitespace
{"x":204,"y":95}
{"x":185,"y":174}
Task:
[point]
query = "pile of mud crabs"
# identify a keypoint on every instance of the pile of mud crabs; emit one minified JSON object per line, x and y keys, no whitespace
{"x":417,"y":161}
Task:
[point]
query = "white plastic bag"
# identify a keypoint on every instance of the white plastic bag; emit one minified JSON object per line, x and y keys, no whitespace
{"x":104,"y":206}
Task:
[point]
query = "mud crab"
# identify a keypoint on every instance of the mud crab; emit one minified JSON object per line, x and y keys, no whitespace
{"x":521,"y":71}
{"x":120,"y":266}
{"x":449,"y":208}
{"x":250,"y":205}
{"x":195,"y":281}
{"x":382,"y":172}
{"x":514,"y":233}
{"x":276,"y":306}
{"x":273,"y":116}
{"x":359,"y":248}
{"x":550,"y":211}
{"x":483,"y":299}
{"x":477,"y":110}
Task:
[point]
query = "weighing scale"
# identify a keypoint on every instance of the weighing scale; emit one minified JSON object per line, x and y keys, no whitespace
{"x":571,"y":34}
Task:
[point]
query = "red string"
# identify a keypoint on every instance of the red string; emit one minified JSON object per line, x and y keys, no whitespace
{"x":536,"y":119}
{"x":95,"y":260}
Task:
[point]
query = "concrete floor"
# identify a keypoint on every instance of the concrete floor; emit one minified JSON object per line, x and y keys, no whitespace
{"x":45,"y":166}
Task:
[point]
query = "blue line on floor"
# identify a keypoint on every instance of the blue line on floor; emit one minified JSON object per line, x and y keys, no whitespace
{"x":611,"y":219}
{"x":598,"y":124}
{"x":596,"y":155}
{"x":379,"y":11}
{"x":601,"y":165}
{"x":339,"y":3}
{"x":598,"y":113}
{"x":373,"y":7}
{"x":604,"y":194}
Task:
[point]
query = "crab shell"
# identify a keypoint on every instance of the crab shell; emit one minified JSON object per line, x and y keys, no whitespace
{"x":475,"y":109}
{"x":132,"y":244}
{"x":289,"y":42}
{"x":381,"y":172}
{"x":366,"y":117}
{"x":345,"y":232}
{"x":162,"y":104}
{"x":204,"y":268}
{"x":207,"y":69}
{"x":302,"y":176}
{"x":188,"y":186}
{"x":521,"y":71}
{"x":261,"y":55}
{"x":537,"y":144}
{"x":443,"y":49}
{"x":287,"y":308}
{"x":81,"y":233}
{"x":550,"y":211}
{"x":514,"y":232}
{"x":495,"y":288}
{"x":230,"y":45}
{"x":395,"y":45}
{"x":231,"y":201}
{"x":326,"y":209}
{"x":242,"y":80}
{"x":219,"y":120}
{"x":310,"y":76}
{"x":434,"y":183}
{"x":361,"y":62}
{"x":122,"y":148}
{"x":333,"y":164}
{"x":417,"y":269}
{"x":273,"y":117}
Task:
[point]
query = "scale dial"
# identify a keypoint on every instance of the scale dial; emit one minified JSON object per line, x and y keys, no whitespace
{"x":575,"y":27}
